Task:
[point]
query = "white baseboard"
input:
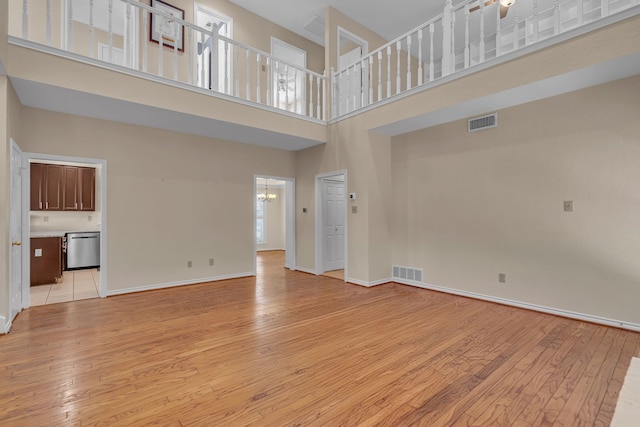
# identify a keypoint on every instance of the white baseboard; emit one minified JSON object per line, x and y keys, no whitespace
{"x":305,"y":270}
{"x":368,"y":284}
{"x":174,"y":284}
{"x":4,"y":325}
{"x":534,"y":307}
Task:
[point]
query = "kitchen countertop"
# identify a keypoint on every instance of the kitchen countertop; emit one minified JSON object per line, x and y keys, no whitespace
{"x":57,"y":233}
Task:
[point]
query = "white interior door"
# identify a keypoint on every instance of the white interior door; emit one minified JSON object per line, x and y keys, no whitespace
{"x":16,"y":231}
{"x":334,"y":219}
{"x":213,"y":61}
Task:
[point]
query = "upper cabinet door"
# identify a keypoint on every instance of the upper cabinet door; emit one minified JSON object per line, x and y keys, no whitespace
{"x":37,"y":184}
{"x":53,"y":187}
{"x":70,"y":188}
{"x":87,"y":189}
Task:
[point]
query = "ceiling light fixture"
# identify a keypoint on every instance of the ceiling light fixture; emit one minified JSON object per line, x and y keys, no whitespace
{"x":266,"y":196}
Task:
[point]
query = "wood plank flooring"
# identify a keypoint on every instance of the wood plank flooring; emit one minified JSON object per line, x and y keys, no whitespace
{"x":288,"y":348}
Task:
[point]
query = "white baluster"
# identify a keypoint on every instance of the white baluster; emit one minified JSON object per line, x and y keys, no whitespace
{"x":398,"y":80}
{"x":370,"y":79}
{"x":258,"y":71}
{"x":318,"y":82}
{"x":379,"y":75}
{"x":481,"y":47}
{"x":145,"y":46}
{"x":127,"y":47}
{"x":175,"y":51}
{"x":431,"y":64}
{"x":202,"y":60}
{"x":498,"y":31}
{"x":344,"y":94}
{"x":580,"y":12}
{"x":516,"y":34}
{"x":160,"y":54}
{"x":214,"y":60}
{"x":535,"y":21}
{"x":277,"y":81}
{"x":408,"y":62}
{"x":25,"y":19}
{"x":190,"y":56}
{"x":91,"y":31}
{"x":348,"y":91}
{"x":296,"y":95}
{"x":556,"y":18}
{"x":286,"y":87}
{"x":420,"y":71}
{"x":447,"y":38}
{"x":466,"y":37}
{"x":324,"y":96}
{"x":110,"y":30}
{"x":49,"y":23}
{"x":236,"y":71}
{"x":248,"y":76}
{"x":363,"y":94}
{"x":604,"y":8}
{"x":388,"y":71}
{"x":70,"y":27}
{"x":310,"y":112}
{"x":227,"y":77}
{"x":453,"y":42}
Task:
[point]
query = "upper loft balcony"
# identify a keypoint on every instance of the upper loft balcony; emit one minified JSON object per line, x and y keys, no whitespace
{"x":290,"y":104}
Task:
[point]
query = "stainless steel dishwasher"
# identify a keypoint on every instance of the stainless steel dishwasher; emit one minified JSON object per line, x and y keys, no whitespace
{"x":83,"y":250}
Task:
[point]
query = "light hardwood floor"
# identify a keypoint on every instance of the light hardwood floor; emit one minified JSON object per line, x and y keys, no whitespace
{"x":288,"y":348}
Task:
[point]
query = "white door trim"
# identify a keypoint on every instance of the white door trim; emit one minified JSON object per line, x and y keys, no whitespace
{"x":290,"y":220}
{"x":13,"y":146}
{"x":26,"y":187}
{"x":320,"y":268}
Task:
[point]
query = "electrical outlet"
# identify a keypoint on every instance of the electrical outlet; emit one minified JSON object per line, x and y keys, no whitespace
{"x":90,"y":217}
{"x":568,"y":205}
{"x":304,"y":210}
{"x":354,"y":209}
{"x":264,"y":68}
{"x":502,"y":278}
{"x":189,"y":264}
{"x":46,"y":218}
{"x":210,"y":261}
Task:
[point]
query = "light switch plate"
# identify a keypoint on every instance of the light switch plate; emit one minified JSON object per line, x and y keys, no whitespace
{"x":38,"y":252}
{"x":568,"y":205}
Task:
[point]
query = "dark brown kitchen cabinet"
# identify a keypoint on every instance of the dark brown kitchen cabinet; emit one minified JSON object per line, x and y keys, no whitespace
{"x":46,"y":187}
{"x":46,"y":260}
{"x":87,"y":189}
{"x":62,"y":188}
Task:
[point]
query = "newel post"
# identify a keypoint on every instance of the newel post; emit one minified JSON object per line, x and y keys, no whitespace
{"x":447,"y":36}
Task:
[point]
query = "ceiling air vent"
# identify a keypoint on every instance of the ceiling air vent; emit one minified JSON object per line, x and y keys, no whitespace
{"x":316,"y":27}
{"x":484,"y":122}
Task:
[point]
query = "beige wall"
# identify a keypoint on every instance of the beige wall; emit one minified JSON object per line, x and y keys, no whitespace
{"x":171,"y":198}
{"x":275,"y":222}
{"x":468,"y":206}
{"x":4,"y":30}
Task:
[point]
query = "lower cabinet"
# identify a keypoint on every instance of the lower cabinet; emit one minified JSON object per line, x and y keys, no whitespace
{"x":46,"y":260}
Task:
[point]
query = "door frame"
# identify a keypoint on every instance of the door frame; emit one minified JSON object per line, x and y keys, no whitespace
{"x":364,"y":44}
{"x":290,"y":220}
{"x":320,"y":222}
{"x":26,"y":230}
{"x":281,"y":43}
{"x":197,"y":8}
{"x":23,"y":252}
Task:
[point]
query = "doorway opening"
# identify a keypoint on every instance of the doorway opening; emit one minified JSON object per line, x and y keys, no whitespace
{"x":274,"y":221}
{"x":65,"y":198}
{"x":213,"y":62}
{"x":351,"y":49}
{"x":331,"y":224}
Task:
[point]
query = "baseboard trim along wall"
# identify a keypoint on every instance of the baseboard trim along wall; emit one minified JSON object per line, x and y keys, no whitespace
{"x":368,"y":284}
{"x":305,"y":270}
{"x":6,"y":326}
{"x":174,"y":284}
{"x":558,"y":312}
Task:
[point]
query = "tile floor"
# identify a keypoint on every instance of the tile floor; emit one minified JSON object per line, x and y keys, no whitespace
{"x":75,"y":285}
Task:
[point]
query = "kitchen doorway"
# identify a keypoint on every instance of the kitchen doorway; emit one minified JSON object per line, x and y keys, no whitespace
{"x":64,"y":195}
{"x":274,"y":218}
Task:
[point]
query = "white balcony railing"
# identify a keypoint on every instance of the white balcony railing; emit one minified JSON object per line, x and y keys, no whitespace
{"x":157,"y":41}
{"x":458,"y":39}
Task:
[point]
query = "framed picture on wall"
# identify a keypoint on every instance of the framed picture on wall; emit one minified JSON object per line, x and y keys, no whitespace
{"x":164,"y":29}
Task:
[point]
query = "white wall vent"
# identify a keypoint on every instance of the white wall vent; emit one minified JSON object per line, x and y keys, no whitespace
{"x":484,"y":122}
{"x":407,"y":273}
